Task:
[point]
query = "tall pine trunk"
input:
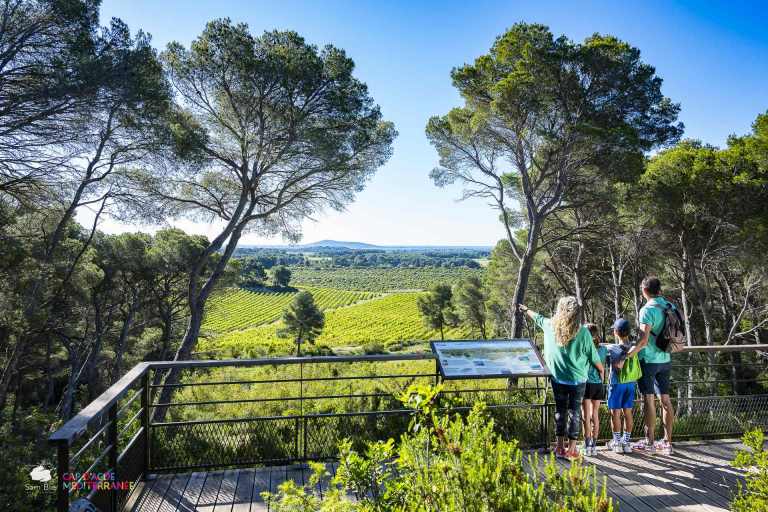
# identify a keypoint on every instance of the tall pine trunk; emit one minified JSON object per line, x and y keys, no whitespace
{"x":197,"y":299}
{"x":523,"y":274}
{"x":688,"y":334}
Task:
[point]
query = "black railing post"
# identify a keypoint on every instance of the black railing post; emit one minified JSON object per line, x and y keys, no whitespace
{"x":62,"y":469}
{"x":112,"y":456}
{"x":145,"y":424}
{"x":437,"y":381}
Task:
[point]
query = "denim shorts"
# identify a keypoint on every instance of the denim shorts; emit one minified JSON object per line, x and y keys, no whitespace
{"x":621,"y":396}
{"x":655,"y":378}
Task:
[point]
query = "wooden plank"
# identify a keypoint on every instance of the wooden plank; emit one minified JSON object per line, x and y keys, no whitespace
{"x":297,"y":475}
{"x":621,"y":487}
{"x":138,"y":496}
{"x":651,"y":479}
{"x":306,"y":475}
{"x":614,"y":489}
{"x":685,"y":483}
{"x":716,"y":465}
{"x":325,"y":480}
{"x":157,"y":494}
{"x":276,"y":478}
{"x":529,"y":463}
{"x":226,"y":497}
{"x":731,"y":476}
{"x":724,"y":452}
{"x":174,"y":493}
{"x":76,"y":427}
{"x":261,"y":482}
{"x":244,"y":491}
{"x":705,"y":490}
{"x":188,"y":502}
{"x":207,"y":500}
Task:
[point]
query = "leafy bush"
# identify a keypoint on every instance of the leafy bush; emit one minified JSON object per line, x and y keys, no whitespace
{"x":373,"y":348}
{"x":446,"y":464}
{"x":754,"y":497}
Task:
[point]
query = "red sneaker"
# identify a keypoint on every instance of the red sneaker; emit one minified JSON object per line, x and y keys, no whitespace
{"x":560,"y":453}
{"x":573,"y":454}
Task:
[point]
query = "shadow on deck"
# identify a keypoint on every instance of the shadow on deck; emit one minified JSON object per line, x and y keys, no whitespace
{"x":698,"y":477}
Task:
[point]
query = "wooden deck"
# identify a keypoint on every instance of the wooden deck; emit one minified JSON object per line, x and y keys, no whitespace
{"x":697,"y":478}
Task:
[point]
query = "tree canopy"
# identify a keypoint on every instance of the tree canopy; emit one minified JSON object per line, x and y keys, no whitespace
{"x":268,"y":131}
{"x":544,"y":122}
{"x":303,"y":319}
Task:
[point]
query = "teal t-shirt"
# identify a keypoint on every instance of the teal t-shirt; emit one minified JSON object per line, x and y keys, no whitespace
{"x":569,"y":363}
{"x":653,"y":316}
{"x":593,"y":375}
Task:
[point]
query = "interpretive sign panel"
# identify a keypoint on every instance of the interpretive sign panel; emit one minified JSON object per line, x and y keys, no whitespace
{"x":489,"y":359}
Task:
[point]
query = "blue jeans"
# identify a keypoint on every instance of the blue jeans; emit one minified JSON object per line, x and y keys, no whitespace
{"x":568,"y":400}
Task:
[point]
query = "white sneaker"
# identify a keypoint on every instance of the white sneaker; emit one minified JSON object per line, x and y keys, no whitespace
{"x":617,"y":447}
{"x":585,"y":449}
{"x":594,"y":450}
{"x":665,"y":447}
{"x":626,"y":447}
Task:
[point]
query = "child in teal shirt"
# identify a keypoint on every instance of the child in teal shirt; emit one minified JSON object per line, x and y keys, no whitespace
{"x":593,"y":395}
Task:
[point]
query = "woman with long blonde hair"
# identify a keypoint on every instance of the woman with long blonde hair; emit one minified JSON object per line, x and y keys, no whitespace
{"x":568,"y":352}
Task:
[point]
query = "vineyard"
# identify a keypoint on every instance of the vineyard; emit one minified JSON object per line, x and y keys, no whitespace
{"x":379,"y":279}
{"x":240,"y":309}
{"x":393,"y":321}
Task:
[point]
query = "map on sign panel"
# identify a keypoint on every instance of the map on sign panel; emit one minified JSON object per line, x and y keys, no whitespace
{"x":488,"y":359}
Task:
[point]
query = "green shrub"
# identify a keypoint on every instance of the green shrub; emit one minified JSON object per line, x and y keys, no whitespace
{"x":373,"y":348}
{"x":446,"y":464}
{"x":754,"y":497}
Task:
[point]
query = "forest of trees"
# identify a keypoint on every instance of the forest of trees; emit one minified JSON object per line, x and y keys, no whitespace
{"x":342,"y":257}
{"x":263,"y":131}
{"x":95,"y":119}
{"x":565,"y":130}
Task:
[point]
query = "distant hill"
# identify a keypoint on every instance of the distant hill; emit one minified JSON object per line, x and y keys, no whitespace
{"x":336,"y":243}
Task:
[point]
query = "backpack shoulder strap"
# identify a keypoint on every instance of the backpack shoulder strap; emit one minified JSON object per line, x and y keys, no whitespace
{"x":664,"y":309}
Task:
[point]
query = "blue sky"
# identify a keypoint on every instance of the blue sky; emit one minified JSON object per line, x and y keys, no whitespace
{"x":713,"y":57}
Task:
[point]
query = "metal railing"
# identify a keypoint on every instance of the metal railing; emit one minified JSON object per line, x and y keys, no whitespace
{"x":293,"y":418}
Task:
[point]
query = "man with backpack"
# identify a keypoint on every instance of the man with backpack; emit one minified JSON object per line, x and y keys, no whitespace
{"x":661,"y":333}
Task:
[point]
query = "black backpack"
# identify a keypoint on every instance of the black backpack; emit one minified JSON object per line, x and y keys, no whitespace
{"x":671,"y":338}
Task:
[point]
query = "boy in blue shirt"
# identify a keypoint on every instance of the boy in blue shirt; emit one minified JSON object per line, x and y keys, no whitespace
{"x":621,"y":396}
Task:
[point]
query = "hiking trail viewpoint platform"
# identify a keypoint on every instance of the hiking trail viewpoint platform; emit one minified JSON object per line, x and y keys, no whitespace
{"x":696,"y":478}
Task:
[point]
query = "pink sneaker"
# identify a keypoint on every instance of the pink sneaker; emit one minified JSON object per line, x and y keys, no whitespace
{"x":641,"y":447}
